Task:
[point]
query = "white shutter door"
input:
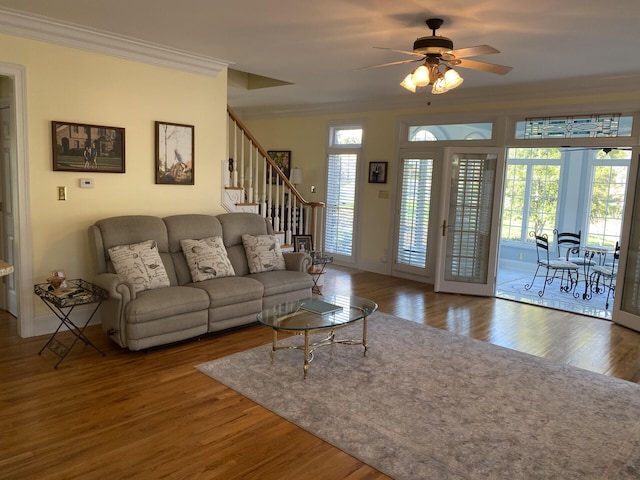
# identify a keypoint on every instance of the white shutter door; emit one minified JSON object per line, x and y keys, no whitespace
{"x":415,"y":205}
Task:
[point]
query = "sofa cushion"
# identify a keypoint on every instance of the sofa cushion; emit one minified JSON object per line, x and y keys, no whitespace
{"x":283,"y":281}
{"x":152,"y":305}
{"x":141,"y":263}
{"x":263,"y":253}
{"x":207,"y":258}
{"x":230,"y":290}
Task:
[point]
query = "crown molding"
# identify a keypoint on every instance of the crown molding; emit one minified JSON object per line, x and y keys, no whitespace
{"x":72,"y":35}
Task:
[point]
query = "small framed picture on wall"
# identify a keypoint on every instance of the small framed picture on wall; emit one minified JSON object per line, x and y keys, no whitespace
{"x":378,"y":172}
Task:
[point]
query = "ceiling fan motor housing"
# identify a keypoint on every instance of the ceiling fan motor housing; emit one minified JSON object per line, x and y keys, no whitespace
{"x":432,"y":45}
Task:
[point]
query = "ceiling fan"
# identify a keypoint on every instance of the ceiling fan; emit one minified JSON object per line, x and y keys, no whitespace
{"x":435,"y":51}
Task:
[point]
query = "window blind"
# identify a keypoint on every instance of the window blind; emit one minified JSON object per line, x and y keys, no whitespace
{"x":413,"y":232}
{"x":340,"y":206}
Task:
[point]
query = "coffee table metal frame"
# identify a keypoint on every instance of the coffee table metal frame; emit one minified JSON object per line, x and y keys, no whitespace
{"x":290,"y":317}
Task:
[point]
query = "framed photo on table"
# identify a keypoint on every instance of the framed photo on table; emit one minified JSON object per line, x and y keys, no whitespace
{"x":282,"y":159}
{"x":378,"y":172}
{"x":175,"y":160}
{"x":302,"y":243}
{"x":80,"y":146}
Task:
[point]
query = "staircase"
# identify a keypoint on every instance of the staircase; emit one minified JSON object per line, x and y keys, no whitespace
{"x":254,"y":183}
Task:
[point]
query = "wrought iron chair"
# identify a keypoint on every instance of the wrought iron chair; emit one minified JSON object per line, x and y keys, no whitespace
{"x":605,"y":275}
{"x":568,"y":271}
{"x":568,"y":245}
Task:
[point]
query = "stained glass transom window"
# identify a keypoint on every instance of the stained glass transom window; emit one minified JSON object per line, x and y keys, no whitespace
{"x":587,"y":126}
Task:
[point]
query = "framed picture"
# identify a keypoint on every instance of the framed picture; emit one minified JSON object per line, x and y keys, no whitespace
{"x":302,"y":243}
{"x":283,"y":161}
{"x":79,"y":147}
{"x":174,"y":154}
{"x":378,"y":172}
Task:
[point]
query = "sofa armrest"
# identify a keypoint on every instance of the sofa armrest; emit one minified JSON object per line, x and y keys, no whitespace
{"x":121,"y":292}
{"x":297,"y":261}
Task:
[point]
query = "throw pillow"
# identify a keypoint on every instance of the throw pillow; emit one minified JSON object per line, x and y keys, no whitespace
{"x":140,"y":262}
{"x":263,"y":253}
{"x":207,"y":258}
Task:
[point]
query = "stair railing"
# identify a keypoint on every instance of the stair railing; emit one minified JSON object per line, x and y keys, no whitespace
{"x":255,"y":183}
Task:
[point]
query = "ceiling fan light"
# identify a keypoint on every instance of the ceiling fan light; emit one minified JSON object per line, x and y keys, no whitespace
{"x":420,"y":76}
{"x":439,"y":86}
{"x":452,"y":79}
{"x":408,"y":83}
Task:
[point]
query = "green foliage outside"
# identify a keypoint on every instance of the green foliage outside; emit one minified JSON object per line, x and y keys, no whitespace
{"x":607,"y":196}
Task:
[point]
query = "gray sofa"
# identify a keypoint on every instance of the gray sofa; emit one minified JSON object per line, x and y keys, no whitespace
{"x":186,"y":309}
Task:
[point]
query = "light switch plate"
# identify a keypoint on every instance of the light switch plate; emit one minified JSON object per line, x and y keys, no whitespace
{"x":86,"y":183}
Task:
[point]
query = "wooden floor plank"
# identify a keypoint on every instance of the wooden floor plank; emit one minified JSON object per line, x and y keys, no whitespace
{"x":153,"y":415}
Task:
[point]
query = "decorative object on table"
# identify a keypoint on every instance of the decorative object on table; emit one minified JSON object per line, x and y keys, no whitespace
{"x":175,"y":154}
{"x":320,"y":307}
{"x":56,"y":279}
{"x":282,"y":158}
{"x":5,"y":268}
{"x":378,"y":172}
{"x":302,"y":243}
{"x":77,"y":292}
{"x":79,"y":146}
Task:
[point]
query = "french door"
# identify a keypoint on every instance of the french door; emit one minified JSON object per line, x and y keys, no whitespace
{"x":470,"y":220}
{"x":626,"y":305}
{"x":416,"y":237}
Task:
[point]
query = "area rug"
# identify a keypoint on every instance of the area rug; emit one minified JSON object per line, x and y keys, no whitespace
{"x":428,"y":404}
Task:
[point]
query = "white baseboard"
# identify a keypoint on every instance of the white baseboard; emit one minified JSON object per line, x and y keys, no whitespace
{"x":375,"y":267}
{"x":47,"y":323}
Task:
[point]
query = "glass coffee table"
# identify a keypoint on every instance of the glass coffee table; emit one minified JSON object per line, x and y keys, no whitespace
{"x":310,"y":316}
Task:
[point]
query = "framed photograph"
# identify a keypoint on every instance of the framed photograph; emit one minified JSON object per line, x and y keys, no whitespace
{"x":378,"y":172}
{"x":283,"y":161}
{"x":174,"y":154}
{"x":79,"y":147}
{"x":302,"y":243}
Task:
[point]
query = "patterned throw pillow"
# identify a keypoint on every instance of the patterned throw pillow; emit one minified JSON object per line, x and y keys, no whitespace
{"x":140,"y":262}
{"x":263,"y":253}
{"x":207,"y":258}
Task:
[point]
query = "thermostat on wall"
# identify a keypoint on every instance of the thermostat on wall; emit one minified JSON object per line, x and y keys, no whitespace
{"x":86,"y":183}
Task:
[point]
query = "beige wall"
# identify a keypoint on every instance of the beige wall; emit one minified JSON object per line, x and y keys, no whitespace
{"x":71,"y":85}
{"x":307,"y":138}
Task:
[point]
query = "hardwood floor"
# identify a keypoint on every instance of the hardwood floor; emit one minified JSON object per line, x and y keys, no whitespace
{"x":153,"y":415}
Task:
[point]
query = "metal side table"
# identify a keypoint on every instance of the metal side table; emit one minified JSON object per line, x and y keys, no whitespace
{"x":62,"y":303}
{"x":318,"y":266}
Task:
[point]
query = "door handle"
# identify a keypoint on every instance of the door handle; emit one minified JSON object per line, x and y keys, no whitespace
{"x":444,"y":228}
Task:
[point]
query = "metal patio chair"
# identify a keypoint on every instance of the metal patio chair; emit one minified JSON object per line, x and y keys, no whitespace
{"x":605,"y":275}
{"x":565,"y":270}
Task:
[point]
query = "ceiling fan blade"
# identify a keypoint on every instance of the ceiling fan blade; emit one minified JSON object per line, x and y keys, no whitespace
{"x":483,"y":66}
{"x":391,"y":63}
{"x":474,"y":51}
{"x":406,"y":52}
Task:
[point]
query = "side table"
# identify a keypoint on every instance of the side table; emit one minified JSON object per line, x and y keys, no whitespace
{"x":318,"y":266}
{"x":78,"y":292}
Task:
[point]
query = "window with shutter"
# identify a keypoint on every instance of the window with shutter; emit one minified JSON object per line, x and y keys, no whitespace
{"x":413,"y":232}
{"x":340,"y":205}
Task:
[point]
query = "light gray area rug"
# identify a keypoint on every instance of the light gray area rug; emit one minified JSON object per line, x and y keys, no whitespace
{"x":428,"y":404}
